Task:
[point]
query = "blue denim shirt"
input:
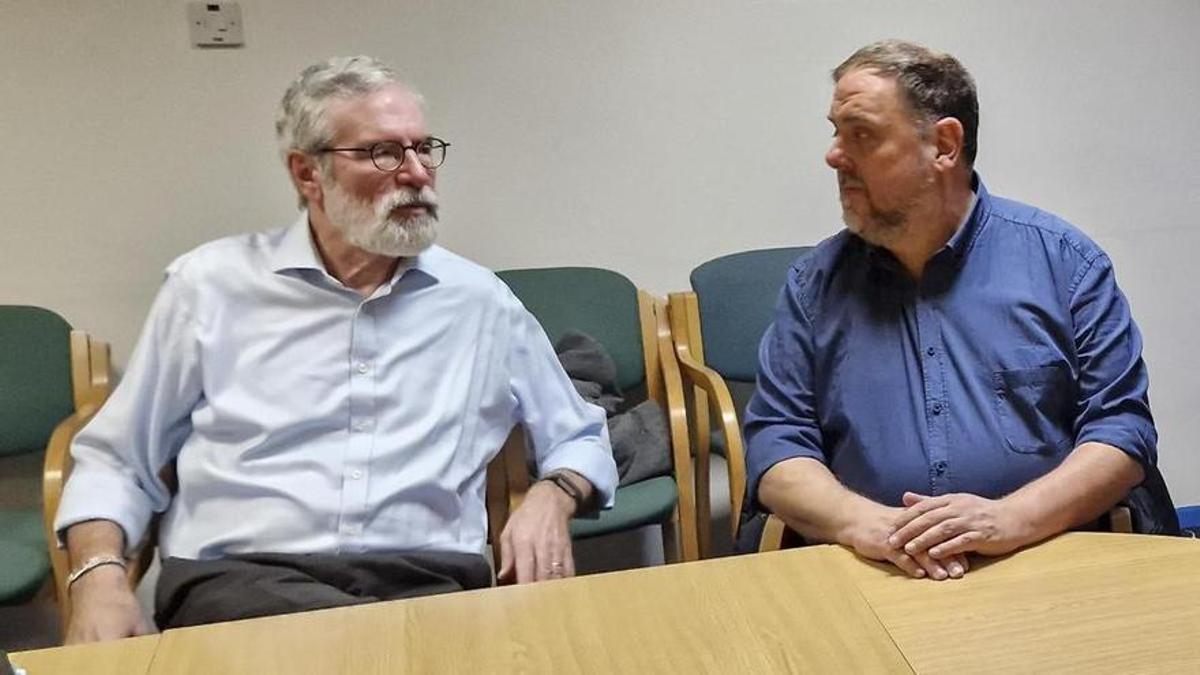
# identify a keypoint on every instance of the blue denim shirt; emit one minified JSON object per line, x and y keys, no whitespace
{"x":1015,"y":347}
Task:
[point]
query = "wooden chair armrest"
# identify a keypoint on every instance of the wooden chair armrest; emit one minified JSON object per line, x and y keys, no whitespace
{"x":1120,"y":519}
{"x":675,"y":408}
{"x":713,"y":385}
{"x":772,"y":536}
{"x":55,"y":470}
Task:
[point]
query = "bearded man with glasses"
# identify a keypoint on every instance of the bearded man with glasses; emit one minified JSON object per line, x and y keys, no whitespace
{"x":330,"y":394}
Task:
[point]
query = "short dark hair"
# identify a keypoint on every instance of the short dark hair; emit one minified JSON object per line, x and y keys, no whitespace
{"x":935,"y":83}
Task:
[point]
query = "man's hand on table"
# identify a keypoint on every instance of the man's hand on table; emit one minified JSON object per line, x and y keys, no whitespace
{"x":956,"y":524}
{"x":869,"y":537}
{"x":103,"y":607}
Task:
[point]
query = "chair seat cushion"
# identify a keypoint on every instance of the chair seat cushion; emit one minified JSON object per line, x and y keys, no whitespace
{"x":23,"y":569}
{"x":644,"y":503}
{"x":23,"y":525}
{"x":24,"y":561}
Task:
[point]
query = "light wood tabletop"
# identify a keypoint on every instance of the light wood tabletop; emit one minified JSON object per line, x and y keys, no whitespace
{"x":1082,"y":602}
{"x":782,"y":612}
{"x":131,"y":656}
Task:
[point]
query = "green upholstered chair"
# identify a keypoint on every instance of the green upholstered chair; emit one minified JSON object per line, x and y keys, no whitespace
{"x":46,"y":386}
{"x":608,"y":307}
{"x":716,"y":329}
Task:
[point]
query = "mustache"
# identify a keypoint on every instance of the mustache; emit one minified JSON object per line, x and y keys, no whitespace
{"x":425,"y":197}
{"x":845,"y":181}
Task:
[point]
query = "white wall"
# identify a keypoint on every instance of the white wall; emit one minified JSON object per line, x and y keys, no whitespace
{"x":642,"y":136}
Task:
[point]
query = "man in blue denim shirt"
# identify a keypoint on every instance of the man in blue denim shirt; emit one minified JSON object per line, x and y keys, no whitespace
{"x":956,"y":373}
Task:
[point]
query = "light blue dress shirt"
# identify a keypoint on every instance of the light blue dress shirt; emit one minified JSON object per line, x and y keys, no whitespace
{"x":305,"y":418}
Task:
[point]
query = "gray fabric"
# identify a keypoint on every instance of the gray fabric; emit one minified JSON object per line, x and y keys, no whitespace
{"x":193,"y":592}
{"x":640,"y":438}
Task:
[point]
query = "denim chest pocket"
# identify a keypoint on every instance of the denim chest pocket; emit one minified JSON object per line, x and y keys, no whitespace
{"x":1034,"y":408}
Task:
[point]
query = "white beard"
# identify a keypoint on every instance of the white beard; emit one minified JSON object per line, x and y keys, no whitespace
{"x":374,"y":229}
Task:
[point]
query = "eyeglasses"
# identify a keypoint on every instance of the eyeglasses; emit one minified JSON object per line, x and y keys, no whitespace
{"x":388,"y":156}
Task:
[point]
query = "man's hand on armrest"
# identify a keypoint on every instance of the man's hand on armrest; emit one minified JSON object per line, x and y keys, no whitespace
{"x":807,"y":496}
{"x":536,"y":542}
{"x":103,"y":606}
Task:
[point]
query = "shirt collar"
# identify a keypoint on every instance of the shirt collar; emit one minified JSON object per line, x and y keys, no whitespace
{"x":960,"y":242}
{"x":296,"y":250}
{"x":968,"y":229}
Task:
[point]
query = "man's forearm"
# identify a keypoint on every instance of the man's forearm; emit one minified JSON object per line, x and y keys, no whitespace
{"x":1092,"y":479}
{"x":93,"y":538}
{"x":807,"y":496}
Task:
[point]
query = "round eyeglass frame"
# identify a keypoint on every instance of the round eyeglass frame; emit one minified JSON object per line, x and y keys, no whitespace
{"x":384,"y":153}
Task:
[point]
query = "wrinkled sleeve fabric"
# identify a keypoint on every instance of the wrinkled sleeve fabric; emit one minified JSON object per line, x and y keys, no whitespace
{"x":1113,"y":401}
{"x":781,"y":418}
{"x":119,"y":453}
{"x":565,"y":431}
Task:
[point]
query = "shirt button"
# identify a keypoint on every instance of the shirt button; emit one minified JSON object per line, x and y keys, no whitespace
{"x":352,"y":529}
{"x":930,"y":351}
{"x":361,"y":425}
{"x":937,"y":407}
{"x":356,"y":474}
{"x":363,"y":368}
{"x":939,"y":467}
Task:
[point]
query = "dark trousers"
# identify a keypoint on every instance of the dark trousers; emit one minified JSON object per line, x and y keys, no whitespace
{"x":192,"y":592}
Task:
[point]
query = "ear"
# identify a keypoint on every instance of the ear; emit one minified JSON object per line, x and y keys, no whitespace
{"x":948,"y":140}
{"x":306,"y":175}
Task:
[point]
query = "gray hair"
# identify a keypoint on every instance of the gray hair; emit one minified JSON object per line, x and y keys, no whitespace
{"x":936,"y":84}
{"x":302,"y":120}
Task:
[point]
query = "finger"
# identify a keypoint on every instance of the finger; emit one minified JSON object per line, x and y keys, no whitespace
{"x":554,"y":559}
{"x":957,"y":566}
{"x":932,"y":567}
{"x":939,"y":526}
{"x":507,"y":560}
{"x":568,"y":558}
{"x":911,"y":498}
{"x":526,"y":563}
{"x":905,"y":562}
{"x":967,"y":542}
{"x":904,"y":535}
{"x":918,"y":509}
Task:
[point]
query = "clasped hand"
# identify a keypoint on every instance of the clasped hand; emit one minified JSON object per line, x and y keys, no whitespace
{"x":931,"y":536}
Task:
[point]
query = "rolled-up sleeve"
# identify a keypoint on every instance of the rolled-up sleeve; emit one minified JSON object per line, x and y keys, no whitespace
{"x":119,"y":453}
{"x":1113,"y":403}
{"x":565,"y":431}
{"x":781,"y":418}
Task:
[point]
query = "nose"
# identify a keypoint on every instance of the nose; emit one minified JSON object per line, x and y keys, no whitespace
{"x":412,"y":172}
{"x":836,"y":157}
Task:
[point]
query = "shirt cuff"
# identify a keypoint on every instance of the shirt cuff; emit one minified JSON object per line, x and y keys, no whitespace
{"x":591,"y":459}
{"x":103,"y":496}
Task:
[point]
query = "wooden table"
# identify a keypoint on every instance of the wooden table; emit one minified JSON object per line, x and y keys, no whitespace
{"x":1084,"y":602}
{"x":1094,"y":603}
{"x":120,"y":657}
{"x":789,"y":611}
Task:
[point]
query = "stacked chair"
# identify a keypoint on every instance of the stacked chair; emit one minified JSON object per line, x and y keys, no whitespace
{"x":607,"y":307}
{"x":716,"y":328}
{"x":52,"y":380}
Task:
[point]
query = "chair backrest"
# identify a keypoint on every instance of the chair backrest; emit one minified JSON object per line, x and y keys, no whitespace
{"x":35,"y":377}
{"x":736,"y":294}
{"x":599,"y":302}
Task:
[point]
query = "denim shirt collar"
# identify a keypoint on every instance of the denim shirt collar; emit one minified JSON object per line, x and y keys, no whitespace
{"x":960,"y":243}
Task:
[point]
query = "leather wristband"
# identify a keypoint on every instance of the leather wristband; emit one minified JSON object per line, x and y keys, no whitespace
{"x":582,"y":505}
{"x":91,"y":564}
